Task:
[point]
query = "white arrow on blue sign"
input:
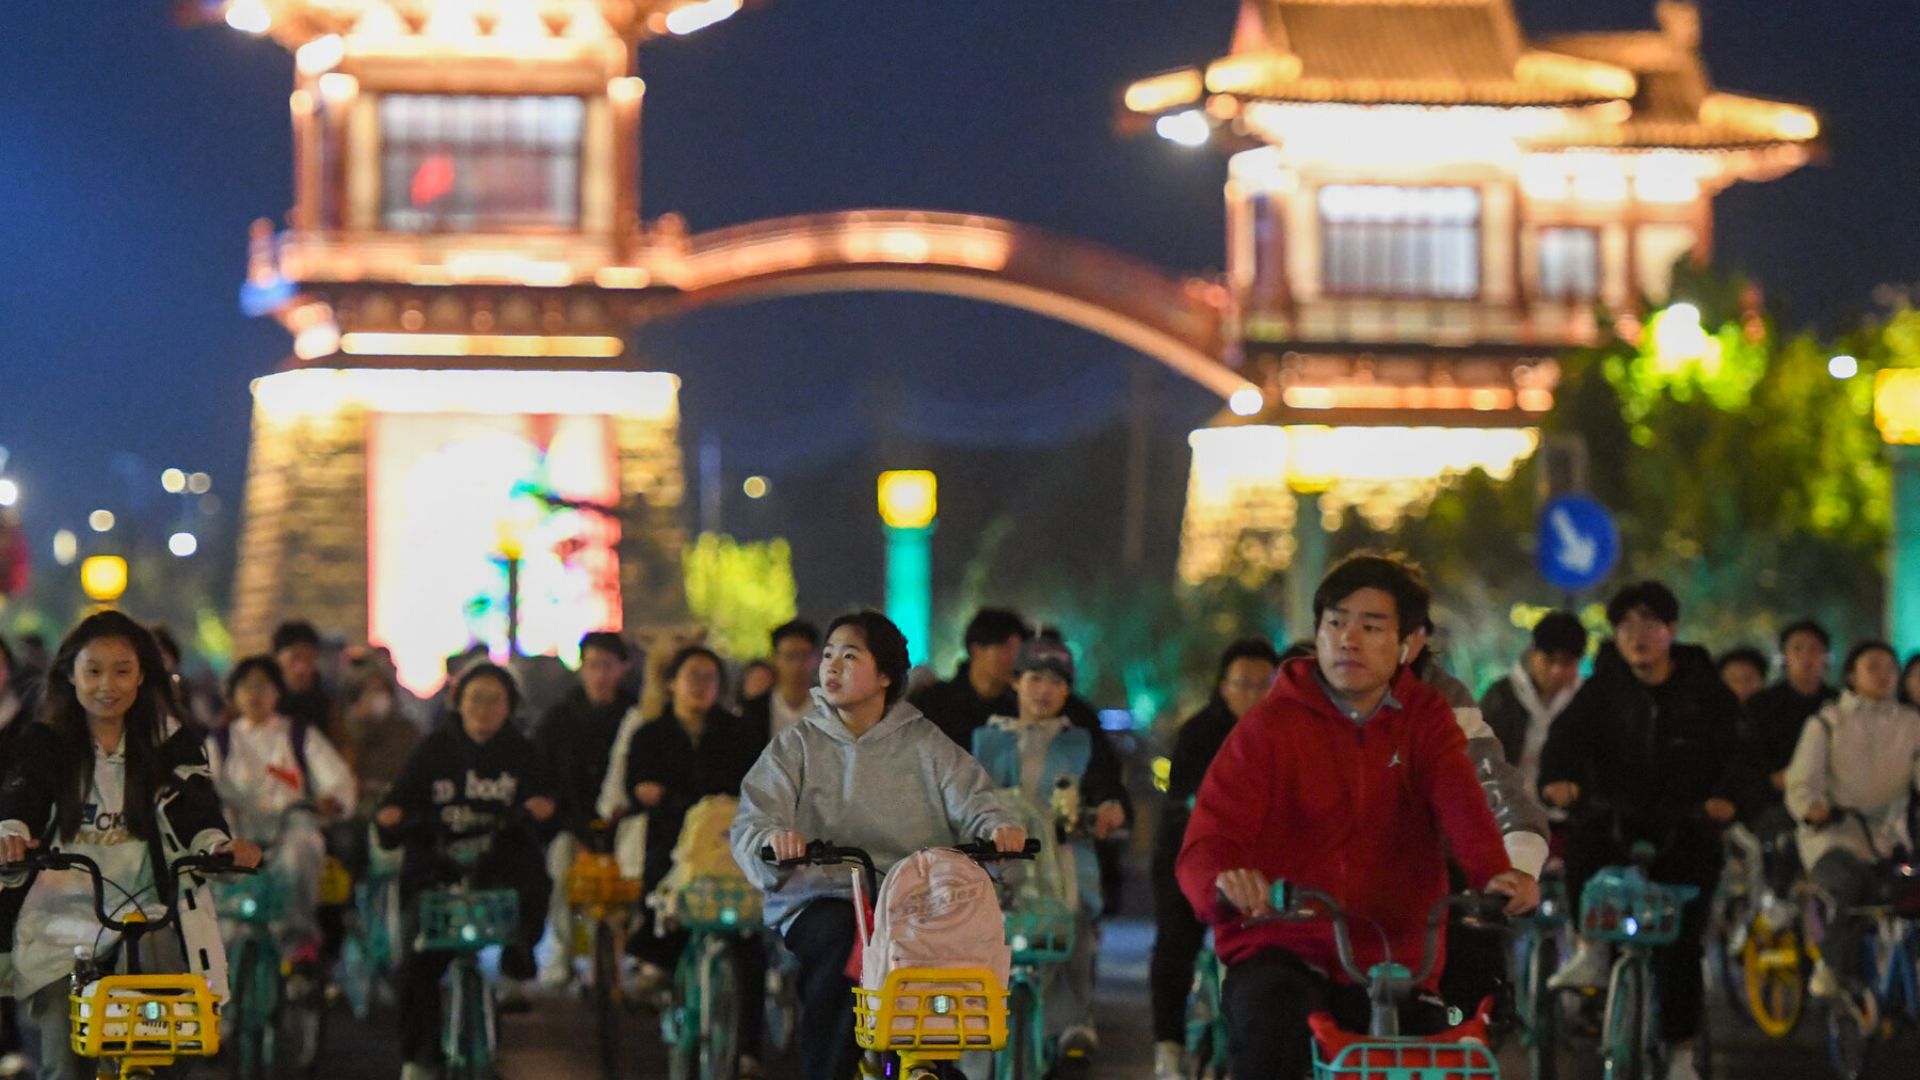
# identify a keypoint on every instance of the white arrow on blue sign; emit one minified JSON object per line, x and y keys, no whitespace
{"x":1578,"y":544}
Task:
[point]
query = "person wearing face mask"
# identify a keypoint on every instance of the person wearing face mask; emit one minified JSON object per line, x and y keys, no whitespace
{"x":476,"y":774}
{"x":1860,"y":753}
{"x":864,"y":768}
{"x":1651,"y":738}
{"x":107,"y":772}
{"x":1246,"y":674}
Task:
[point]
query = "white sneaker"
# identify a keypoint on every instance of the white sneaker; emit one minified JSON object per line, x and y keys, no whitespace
{"x":413,"y":1071}
{"x":13,"y":1064}
{"x":644,"y":983}
{"x":1823,"y":984}
{"x":1079,"y":1041}
{"x":1680,"y":1062}
{"x":1169,"y":1061}
{"x":1588,"y":969}
{"x":556,"y":972}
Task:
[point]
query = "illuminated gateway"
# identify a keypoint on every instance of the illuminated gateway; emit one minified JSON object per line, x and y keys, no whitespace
{"x":1423,"y":209}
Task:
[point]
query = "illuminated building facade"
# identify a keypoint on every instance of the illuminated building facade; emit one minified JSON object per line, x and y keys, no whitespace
{"x":457,"y":451}
{"x":1424,"y":208}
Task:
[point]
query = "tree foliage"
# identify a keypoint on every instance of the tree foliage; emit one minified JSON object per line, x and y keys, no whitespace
{"x":1740,"y":469}
{"x":740,"y":590}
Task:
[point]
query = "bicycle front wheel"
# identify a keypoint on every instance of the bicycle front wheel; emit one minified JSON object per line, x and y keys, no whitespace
{"x":1543,"y":1008}
{"x":1621,"y":1049}
{"x":606,"y":1001}
{"x":1021,"y":1058}
{"x":1773,"y":967}
{"x":301,"y":1032}
{"x":255,"y":995}
{"x":1853,"y":1026}
{"x":720,"y":1026}
{"x":1206,"y":1027}
{"x":470,"y":1039}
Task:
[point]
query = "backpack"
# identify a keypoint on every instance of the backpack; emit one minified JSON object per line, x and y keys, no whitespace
{"x":703,"y":850}
{"x":222,"y":737}
{"x":937,"y":908}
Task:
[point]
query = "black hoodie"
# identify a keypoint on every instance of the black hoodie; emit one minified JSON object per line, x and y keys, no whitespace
{"x":1655,"y":753}
{"x":453,"y":785}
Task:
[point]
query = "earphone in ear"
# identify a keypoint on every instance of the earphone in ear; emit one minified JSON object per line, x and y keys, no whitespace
{"x":1403,"y":653}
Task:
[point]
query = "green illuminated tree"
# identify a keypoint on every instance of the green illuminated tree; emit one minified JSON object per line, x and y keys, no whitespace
{"x":740,"y":591}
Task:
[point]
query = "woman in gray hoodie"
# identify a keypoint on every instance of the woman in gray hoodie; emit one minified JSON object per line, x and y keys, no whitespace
{"x":862,"y":769}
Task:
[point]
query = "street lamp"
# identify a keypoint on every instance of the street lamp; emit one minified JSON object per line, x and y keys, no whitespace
{"x":9,"y":493}
{"x":909,"y":502}
{"x":1896,"y":411}
{"x":103,"y":578}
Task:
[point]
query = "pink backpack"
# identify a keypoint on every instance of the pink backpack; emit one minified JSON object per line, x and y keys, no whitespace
{"x":937,"y":908}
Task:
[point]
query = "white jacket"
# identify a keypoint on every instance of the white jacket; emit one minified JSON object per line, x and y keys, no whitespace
{"x":1859,"y":755}
{"x":259,"y":777}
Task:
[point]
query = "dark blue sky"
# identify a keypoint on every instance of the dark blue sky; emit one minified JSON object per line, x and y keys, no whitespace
{"x":133,"y":154}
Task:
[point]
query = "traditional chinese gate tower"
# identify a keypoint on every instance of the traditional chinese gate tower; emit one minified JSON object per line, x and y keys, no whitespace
{"x":1424,"y":209}
{"x":457,"y":444}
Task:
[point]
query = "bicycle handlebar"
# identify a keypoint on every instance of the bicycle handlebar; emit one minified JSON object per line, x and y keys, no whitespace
{"x":827,"y":853}
{"x":1306,"y":904}
{"x":221,"y":863}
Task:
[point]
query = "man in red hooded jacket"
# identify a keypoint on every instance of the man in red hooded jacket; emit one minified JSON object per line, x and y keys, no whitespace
{"x":1350,"y":778}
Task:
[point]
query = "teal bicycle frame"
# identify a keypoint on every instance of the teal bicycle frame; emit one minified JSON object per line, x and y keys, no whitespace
{"x":1041,"y":937}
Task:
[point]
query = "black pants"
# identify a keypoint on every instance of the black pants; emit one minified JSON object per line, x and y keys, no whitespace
{"x":1177,"y":937}
{"x":1692,"y":856}
{"x":420,"y":972}
{"x":821,"y":939}
{"x":1477,"y":957}
{"x":1269,"y":996}
{"x":1850,"y":882}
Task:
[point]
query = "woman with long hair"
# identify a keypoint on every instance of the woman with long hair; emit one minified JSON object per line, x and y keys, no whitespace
{"x":105,"y":771}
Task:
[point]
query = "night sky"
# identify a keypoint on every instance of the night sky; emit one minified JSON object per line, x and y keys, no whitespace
{"x":133,"y":154}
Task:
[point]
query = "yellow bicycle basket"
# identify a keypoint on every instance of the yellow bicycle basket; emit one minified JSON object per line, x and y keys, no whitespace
{"x":145,"y":1020}
{"x":937,"y":1013}
{"x":595,"y":881}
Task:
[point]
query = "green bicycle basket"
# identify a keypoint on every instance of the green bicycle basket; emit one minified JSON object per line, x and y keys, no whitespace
{"x":455,"y":920}
{"x":253,"y":899}
{"x":718,"y":903}
{"x":1620,"y":904}
{"x":1040,"y":931}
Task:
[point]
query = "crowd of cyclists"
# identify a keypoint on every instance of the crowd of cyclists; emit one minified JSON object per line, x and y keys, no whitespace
{"x":1350,"y":764}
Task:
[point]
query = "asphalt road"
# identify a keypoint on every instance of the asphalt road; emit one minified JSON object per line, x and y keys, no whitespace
{"x":556,"y":1040}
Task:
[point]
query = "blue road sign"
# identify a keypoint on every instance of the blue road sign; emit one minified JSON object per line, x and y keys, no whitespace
{"x":1579,"y":543}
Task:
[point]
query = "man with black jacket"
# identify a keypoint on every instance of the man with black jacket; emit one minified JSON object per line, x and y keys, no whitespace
{"x":796,"y":664}
{"x":1776,"y":715}
{"x":1246,"y":673}
{"x":575,"y":738}
{"x":983,"y":687}
{"x":1647,"y":747}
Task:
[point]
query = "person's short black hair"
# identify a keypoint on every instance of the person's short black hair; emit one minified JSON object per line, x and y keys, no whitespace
{"x":1251,"y":648}
{"x":800,"y":628}
{"x":1656,"y":598}
{"x":1807,"y":626}
{"x":992,"y":626}
{"x":261,"y":664}
{"x":1400,"y":580}
{"x":689,"y":652}
{"x":487,"y":669}
{"x":888,"y":646}
{"x":1861,"y":649}
{"x":1560,"y":633}
{"x":606,"y":641}
{"x":294,"y":632}
{"x":1744,"y":654}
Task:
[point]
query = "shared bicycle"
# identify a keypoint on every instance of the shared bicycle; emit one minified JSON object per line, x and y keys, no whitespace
{"x":134,"y":1023}
{"x":922,"y":1019}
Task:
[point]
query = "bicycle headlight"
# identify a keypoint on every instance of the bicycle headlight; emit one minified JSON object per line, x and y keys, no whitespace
{"x":1631,"y":925}
{"x":941,"y":1004}
{"x":152,"y":1010}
